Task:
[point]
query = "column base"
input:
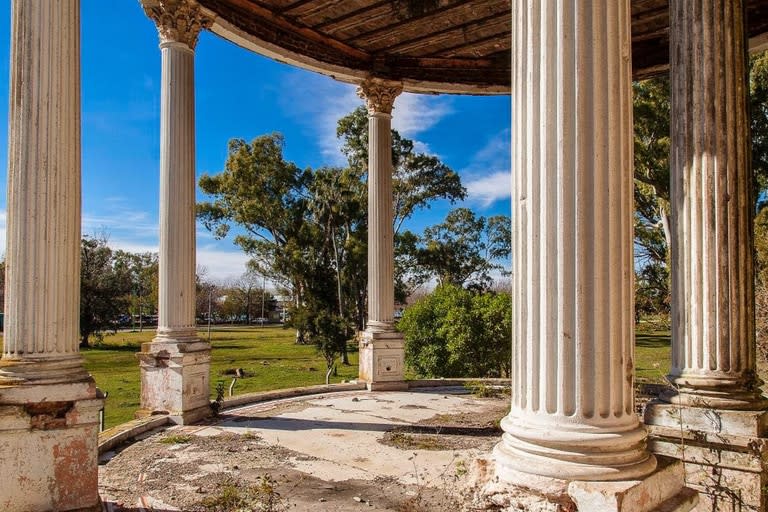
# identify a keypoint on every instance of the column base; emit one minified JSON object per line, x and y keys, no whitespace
{"x":716,"y":392}
{"x":498,"y":488}
{"x":574,"y":451}
{"x":175,"y":380}
{"x":382,"y":360}
{"x":725,"y":452}
{"x":49,"y":441}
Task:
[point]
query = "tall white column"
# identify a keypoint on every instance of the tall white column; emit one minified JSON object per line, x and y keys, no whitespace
{"x":48,"y":402}
{"x":723,"y":421}
{"x":382,"y":348}
{"x":713,"y":313}
{"x":572,"y":414}
{"x":380,"y":98}
{"x":176,"y":353}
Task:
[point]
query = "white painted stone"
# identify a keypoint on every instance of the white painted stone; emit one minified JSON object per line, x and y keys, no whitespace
{"x":176,"y":379}
{"x":382,"y":360}
{"x":630,"y":496}
{"x":382,"y":357}
{"x":48,"y":402}
{"x":572,"y":412}
{"x":166,"y":381}
{"x":713,"y":330}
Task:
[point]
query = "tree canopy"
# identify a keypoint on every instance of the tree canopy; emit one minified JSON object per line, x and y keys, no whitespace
{"x":463,"y":250}
{"x":105,"y":287}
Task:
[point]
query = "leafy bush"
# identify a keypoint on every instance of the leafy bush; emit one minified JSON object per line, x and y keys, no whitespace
{"x":454,"y":332}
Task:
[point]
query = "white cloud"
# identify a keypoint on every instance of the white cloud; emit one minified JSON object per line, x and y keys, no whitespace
{"x":319,"y":102}
{"x":221,"y":265}
{"x":122,"y":223}
{"x":488,"y":177}
{"x":416,"y":113}
{"x":488,"y":189}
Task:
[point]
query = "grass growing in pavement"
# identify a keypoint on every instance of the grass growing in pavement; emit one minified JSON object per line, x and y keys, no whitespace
{"x":268,"y":356}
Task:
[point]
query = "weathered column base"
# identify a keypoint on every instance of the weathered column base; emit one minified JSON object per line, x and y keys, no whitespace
{"x":175,"y":380}
{"x":382,"y":360}
{"x":49,"y":444}
{"x":661,"y":491}
{"x":724,"y":451}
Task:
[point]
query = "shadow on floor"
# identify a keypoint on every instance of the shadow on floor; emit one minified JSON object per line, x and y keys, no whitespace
{"x":299,"y":424}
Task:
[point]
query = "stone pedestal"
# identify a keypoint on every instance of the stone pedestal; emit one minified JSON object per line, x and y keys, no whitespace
{"x":382,"y":352}
{"x":382,"y":362}
{"x":725,"y":453}
{"x":522,"y":492}
{"x":175,"y":380}
{"x":49,"y":443}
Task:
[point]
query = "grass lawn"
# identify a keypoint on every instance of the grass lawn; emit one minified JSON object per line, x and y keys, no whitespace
{"x":268,"y":355}
{"x":652,"y":356}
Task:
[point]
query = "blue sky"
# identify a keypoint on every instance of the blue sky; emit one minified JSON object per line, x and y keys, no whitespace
{"x":238,"y":94}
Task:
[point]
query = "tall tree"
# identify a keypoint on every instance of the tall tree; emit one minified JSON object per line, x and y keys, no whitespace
{"x":266,"y":197}
{"x":463,"y":250}
{"x":417,"y":179}
{"x":652,"y":221}
{"x":142,"y":269}
{"x":285,"y":213}
{"x":104,"y":289}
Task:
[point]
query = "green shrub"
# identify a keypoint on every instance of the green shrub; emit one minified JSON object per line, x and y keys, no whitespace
{"x":455,"y":332}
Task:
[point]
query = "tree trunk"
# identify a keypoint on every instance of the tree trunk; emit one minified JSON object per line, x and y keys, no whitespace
{"x":344,"y":354}
{"x":665,"y":224}
{"x":84,"y":340}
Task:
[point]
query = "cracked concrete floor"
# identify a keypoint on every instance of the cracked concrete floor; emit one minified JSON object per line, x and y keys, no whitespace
{"x":399,"y":451}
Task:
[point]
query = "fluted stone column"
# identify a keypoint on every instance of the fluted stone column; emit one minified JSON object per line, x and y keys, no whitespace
{"x":381,"y":346}
{"x":713,"y":314}
{"x":48,"y":402}
{"x":175,"y":365}
{"x":572,"y":413}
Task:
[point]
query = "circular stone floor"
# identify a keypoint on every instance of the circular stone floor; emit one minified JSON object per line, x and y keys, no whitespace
{"x":399,"y":451}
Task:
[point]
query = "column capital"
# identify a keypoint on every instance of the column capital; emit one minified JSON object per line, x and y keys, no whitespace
{"x":177,"y":20}
{"x":379,"y":95}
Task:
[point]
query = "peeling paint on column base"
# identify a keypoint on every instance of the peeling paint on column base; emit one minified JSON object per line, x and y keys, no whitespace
{"x":49,"y":448}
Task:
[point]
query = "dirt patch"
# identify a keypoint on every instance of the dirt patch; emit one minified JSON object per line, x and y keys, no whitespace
{"x":459,"y":431}
{"x":488,"y":418}
{"x":183,"y":474}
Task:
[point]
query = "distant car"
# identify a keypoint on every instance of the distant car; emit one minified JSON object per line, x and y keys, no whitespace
{"x":261,"y":320}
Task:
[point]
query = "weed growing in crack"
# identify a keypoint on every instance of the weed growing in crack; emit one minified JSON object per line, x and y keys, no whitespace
{"x":217,"y":404}
{"x":175,"y":439}
{"x":446,"y":497}
{"x":234,"y":495}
